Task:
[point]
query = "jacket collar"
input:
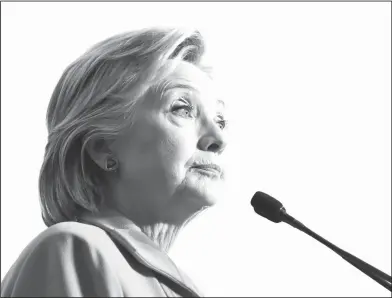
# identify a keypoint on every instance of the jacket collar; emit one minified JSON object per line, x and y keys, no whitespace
{"x":139,"y":245}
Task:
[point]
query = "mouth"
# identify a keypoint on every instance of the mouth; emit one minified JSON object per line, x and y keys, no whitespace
{"x":211,"y":170}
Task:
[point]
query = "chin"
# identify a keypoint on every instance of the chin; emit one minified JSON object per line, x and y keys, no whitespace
{"x":206,"y":192}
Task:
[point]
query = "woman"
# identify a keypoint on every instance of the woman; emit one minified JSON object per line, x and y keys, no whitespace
{"x":136,"y":135}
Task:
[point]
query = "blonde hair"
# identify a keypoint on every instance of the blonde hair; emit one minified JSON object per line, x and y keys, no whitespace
{"x":94,"y":100}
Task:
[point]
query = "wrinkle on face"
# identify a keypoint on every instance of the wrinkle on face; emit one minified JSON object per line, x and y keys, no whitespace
{"x":157,"y":151}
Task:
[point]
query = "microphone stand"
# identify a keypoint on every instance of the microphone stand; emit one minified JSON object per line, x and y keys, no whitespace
{"x":377,"y":275}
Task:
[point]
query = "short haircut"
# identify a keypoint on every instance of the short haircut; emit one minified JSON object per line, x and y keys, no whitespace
{"x":94,"y":100}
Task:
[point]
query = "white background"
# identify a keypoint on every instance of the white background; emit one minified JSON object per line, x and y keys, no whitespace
{"x":309,"y":90}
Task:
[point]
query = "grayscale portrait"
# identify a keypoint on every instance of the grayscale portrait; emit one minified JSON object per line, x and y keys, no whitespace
{"x":195,"y":149}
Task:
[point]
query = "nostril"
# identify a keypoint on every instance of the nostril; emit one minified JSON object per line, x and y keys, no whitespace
{"x":214,"y":147}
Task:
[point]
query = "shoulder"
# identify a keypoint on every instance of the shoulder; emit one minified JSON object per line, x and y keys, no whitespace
{"x":74,"y":257}
{"x":67,"y":235}
{"x":73,"y":240}
{"x":88,"y":234}
{"x":69,"y":241}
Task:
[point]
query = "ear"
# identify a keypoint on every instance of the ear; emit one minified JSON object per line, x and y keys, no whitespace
{"x":99,"y":152}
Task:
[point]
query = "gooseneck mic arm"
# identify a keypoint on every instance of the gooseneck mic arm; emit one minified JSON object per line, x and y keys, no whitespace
{"x":273,"y":210}
{"x":379,"y":276}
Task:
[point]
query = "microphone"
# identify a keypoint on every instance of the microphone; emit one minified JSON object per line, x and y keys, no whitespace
{"x":273,"y":210}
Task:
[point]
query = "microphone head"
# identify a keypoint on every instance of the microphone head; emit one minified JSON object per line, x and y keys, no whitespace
{"x":267,"y":206}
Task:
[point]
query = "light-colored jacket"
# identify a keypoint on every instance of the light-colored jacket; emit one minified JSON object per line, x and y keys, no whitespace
{"x":99,"y":256}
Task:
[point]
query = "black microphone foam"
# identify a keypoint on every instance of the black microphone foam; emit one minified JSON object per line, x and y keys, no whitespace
{"x":272,"y":209}
{"x":267,"y":206}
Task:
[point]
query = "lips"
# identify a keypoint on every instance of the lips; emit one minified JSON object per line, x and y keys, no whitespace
{"x":208,"y":168}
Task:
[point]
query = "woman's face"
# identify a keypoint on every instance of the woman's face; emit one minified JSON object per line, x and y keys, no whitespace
{"x":170,"y":160}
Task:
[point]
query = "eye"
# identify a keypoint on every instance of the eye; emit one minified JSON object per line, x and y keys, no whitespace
{"x":183,"y":108}
{"x":221,"y":122}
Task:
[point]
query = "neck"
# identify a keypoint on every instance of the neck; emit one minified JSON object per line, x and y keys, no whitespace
{"x":161,"y":227}
{"x":162,"y":232}
{"x":165,"y":233}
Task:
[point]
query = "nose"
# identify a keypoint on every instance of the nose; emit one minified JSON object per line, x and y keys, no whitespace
{"x":212,"y":140}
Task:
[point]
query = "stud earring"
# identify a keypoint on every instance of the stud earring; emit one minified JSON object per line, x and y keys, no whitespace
{"x":111,"y":164}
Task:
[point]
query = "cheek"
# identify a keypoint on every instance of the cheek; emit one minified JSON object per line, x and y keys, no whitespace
{"x":156,"y":150}
{"x":176,"y":148}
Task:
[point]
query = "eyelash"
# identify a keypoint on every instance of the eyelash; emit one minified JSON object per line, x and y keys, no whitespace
{"x":189,"y":108}
{"x":222,"y":122}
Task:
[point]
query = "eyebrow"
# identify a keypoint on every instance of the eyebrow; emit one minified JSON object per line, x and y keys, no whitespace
{"x":221,"y":102}
{"x":168,"y":85}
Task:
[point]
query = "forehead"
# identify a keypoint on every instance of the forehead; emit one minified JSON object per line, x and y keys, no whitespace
{"x":191,"y":77}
